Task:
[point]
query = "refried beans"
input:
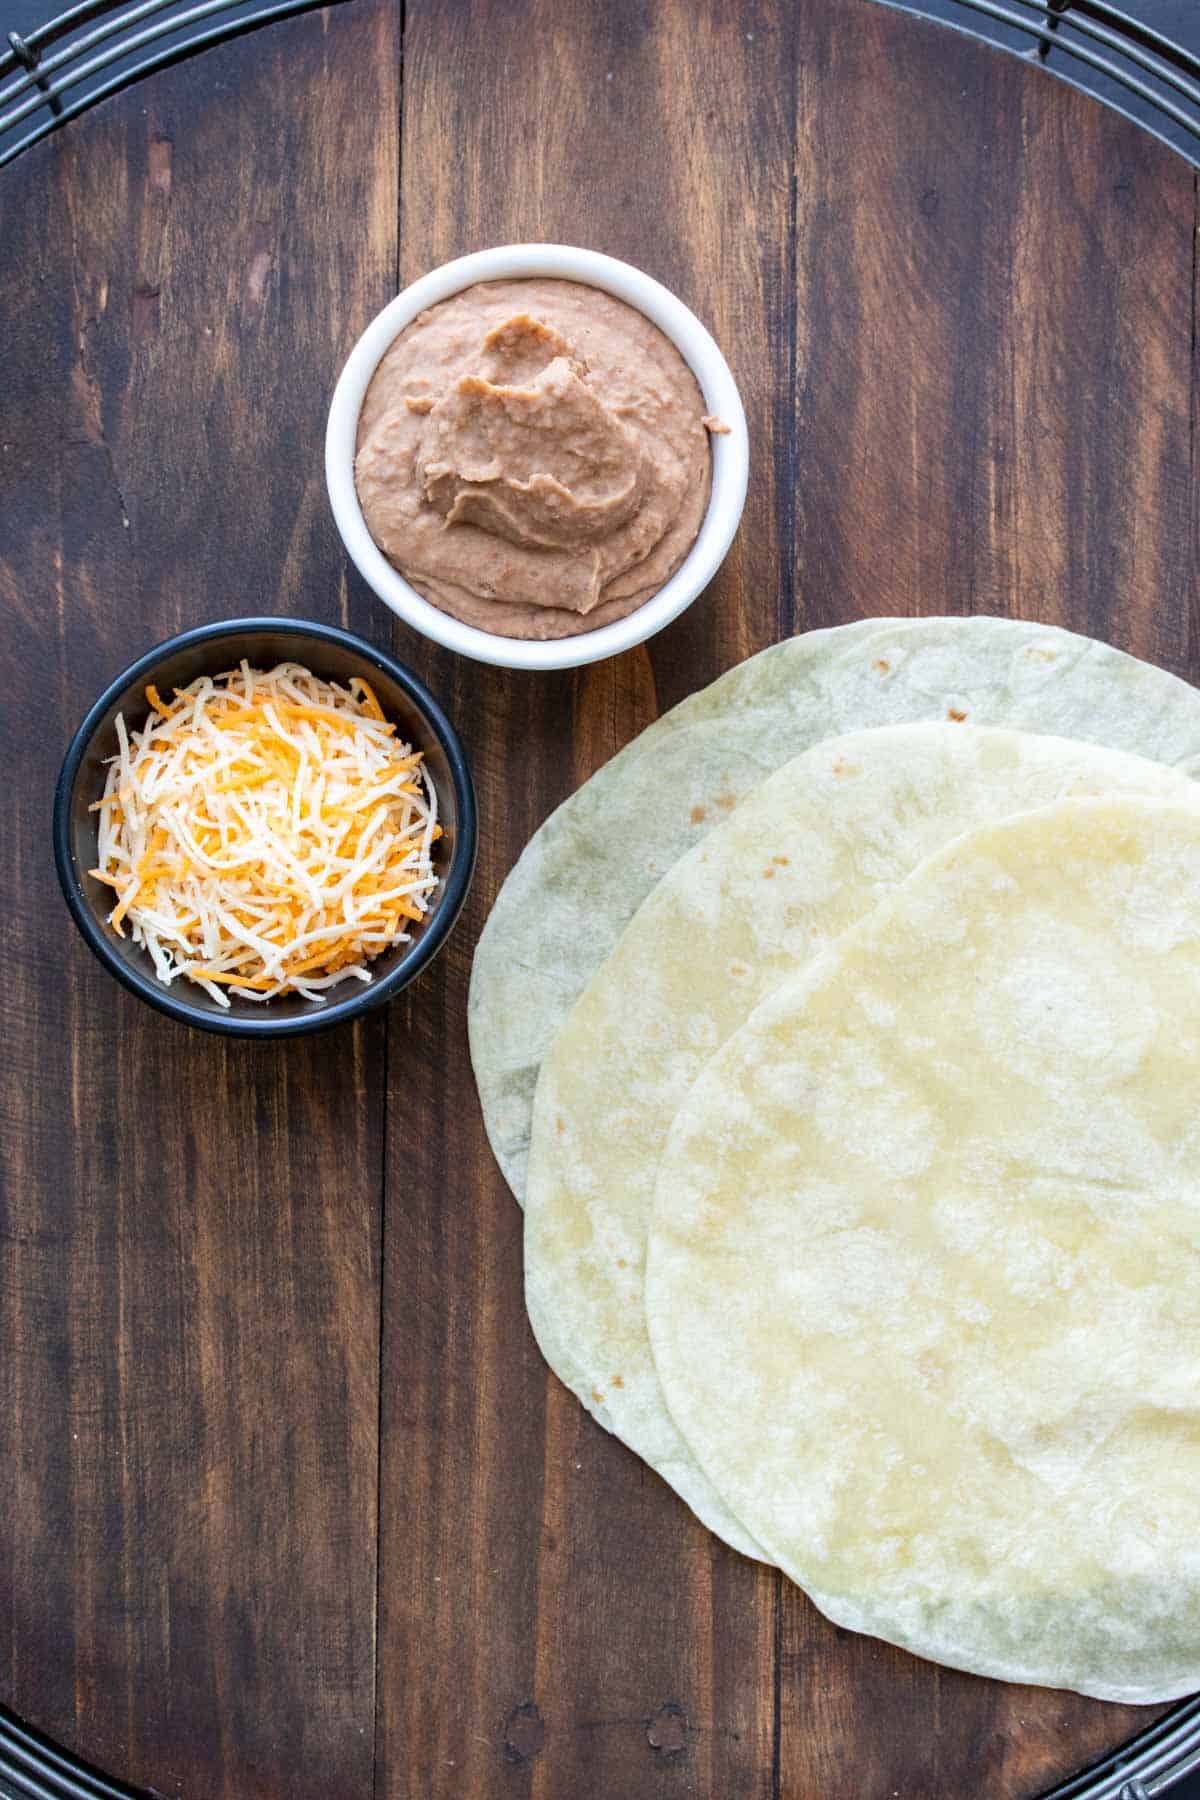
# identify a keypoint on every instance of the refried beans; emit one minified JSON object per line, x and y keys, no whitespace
{"x":533,"y":456}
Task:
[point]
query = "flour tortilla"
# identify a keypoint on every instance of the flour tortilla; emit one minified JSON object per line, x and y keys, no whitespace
{"x":924,"y":1269}
{"x":806,"y":856}
{"x":585,"y":872}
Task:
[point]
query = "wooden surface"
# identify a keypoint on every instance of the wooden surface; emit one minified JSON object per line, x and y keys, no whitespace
{"x":292,"y":1506}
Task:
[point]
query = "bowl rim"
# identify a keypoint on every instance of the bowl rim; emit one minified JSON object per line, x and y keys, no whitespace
{"x":730,"y":453}
{"x":456,"y":881}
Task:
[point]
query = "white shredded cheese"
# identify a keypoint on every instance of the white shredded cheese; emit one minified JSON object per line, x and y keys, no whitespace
{"x":266,"y":833}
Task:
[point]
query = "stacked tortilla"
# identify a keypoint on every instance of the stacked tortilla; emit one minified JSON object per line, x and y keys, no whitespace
{"x":842,"y":1038}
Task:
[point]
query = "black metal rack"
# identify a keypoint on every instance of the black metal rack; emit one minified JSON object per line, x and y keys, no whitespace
{"x":32,"y":1768}
{"x":1150,"y":1765}
{"x":55,"y":72}
{"x":58,"y":70}
{"x":1099,"y":47}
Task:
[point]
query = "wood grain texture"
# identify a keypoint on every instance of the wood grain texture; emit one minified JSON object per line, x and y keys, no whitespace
{"x":601,"y":1641}
{"x":995,"y":331}
{"x":959,"y":302}
{"x":992,"y":415}
{"x":189,"y":1232}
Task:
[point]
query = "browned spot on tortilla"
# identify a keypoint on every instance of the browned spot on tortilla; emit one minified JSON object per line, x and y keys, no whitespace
{"x":883,"y":665}
{"x":597,"y":1396}
{"x":621,"y":1263}
{"x":560,"y":1124}
{"x":956,"y":713}
{"x":781,"y":861}
{"x":842,"y":769}
{"x":768,"y":874}
{"x":1041,"y":653}
{"x":727,"y":799}
{"x":698,"y":815}
{"x":618,"y":1381}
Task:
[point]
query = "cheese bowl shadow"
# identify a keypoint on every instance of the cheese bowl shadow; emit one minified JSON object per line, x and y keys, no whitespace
{"x":730,"y":454}
{"x":334,"y":655}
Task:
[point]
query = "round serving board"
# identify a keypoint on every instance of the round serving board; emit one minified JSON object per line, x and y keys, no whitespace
{"x":291,"y":1505}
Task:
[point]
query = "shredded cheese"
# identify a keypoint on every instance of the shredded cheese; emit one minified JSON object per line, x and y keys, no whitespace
{"x":266,"y":833}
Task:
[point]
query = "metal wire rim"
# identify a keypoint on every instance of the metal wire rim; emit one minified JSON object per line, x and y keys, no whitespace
{"x":1148,"y":1766}
{"x":33,"y":1768}
{"x":1068,"y":36}
{"x":1061,"y":32}
{"x":45,"y":79}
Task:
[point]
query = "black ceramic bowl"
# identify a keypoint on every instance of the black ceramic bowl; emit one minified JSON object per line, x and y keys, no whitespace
{"x":336,"y":655}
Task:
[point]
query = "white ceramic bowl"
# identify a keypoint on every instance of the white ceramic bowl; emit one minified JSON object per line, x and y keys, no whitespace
{"x":730,"y":454}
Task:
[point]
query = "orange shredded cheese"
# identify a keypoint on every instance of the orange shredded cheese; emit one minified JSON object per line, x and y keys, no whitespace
{"x":266,"y":833}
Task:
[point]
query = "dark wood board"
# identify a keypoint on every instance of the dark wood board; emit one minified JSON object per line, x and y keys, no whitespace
{"x":293,"y":1506}
{"x":189,"y":1233}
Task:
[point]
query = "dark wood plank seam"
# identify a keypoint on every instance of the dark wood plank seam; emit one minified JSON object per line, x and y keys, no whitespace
{"x":788,"y":409}
{"x":786,"y":419}
{"x":403,"y":6}
{"x":382,"y":1251}
{"x":777,"y":1697}
{"x":387,"y":1040}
